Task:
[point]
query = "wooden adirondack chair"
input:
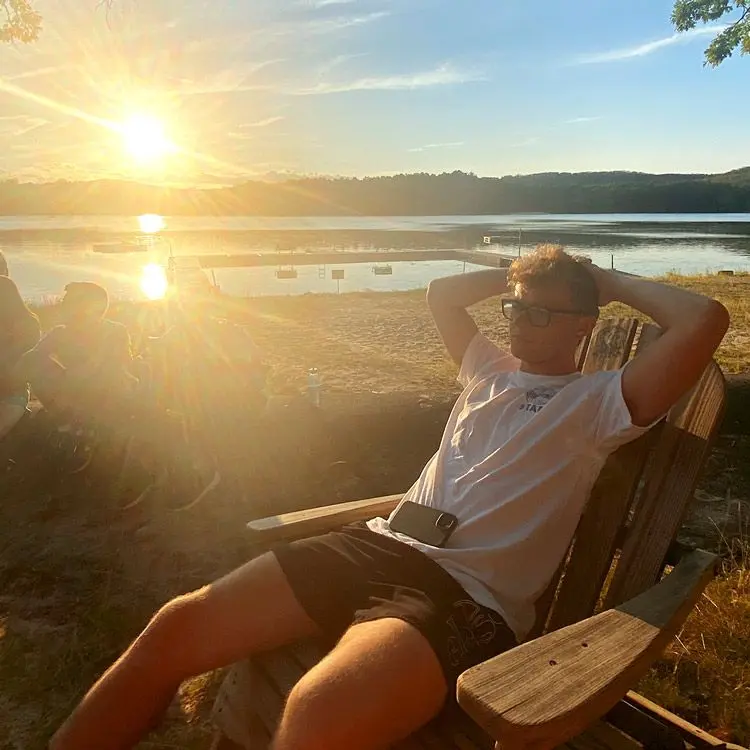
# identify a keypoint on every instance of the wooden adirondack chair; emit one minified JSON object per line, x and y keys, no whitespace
{"x":567,"y":685}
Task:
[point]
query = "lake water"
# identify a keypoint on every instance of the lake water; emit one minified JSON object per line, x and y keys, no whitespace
{"x":46,"y":252}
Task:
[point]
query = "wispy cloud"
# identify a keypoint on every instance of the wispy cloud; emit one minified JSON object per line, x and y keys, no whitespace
{"x":280,"y":32}
{"x":50,"y":70}
{"x":234,"y":79}
{"x":262,"y":123}
{"x":248,"y":131}
{"x":525,"y":142}
{"x":336,"y":62}
{"x":444,"y":75}
{"x":428,"y":146}
{"x":346,"y":22}
{"x":581,"y":120}
{"x":325,"y":3}
{"x":323,"y":26}
{"x":18,"y":125}
{"x":648,"y":48}
{"x":34,"y":123}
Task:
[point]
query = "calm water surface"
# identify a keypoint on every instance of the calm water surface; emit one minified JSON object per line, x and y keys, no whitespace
{"x":46,"y":252}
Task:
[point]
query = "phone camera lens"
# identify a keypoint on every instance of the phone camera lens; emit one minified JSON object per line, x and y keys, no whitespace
{"x":444,"y":521}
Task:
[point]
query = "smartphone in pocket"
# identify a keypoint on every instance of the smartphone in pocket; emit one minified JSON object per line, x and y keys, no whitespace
{"x":423,"y":523}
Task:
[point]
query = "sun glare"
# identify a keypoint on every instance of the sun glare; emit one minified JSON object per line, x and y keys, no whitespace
{"x":151,"y":223}
{"x":145,"y":139}
{"x":154,"y":281}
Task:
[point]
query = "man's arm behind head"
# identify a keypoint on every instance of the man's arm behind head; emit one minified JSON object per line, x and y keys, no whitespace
{"x":693,"y":327}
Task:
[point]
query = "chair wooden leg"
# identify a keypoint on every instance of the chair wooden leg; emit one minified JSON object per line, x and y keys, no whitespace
{"x":222,"y":742}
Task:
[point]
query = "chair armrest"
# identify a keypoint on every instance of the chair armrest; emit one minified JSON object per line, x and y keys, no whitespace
{"x":303,"y":523}
{"x":547,"y":691}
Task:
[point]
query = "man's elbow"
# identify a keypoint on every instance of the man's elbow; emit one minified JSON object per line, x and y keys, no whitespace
{"x":433,"y":291}
{"x":442,"y":293}
{"x":715,"y":320}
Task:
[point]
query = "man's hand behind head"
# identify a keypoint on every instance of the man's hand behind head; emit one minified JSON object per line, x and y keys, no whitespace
{"x":606,"y":281}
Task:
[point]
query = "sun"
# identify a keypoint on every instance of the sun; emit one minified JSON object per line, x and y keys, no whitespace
{"x":154,"y":281}
{"x":145,"y":140}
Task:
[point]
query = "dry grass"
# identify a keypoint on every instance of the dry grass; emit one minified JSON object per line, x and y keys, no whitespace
{"x":79,"y":582}
{"x":705,"y":674}
{"x":734,"y":293}
{"x":79,"y":578}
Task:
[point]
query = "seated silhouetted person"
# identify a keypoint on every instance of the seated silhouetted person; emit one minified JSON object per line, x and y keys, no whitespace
{"x":80,"y":369}
{"x":210,"y":370}
{"x":203,"y":362}
{"x":19,"y":332}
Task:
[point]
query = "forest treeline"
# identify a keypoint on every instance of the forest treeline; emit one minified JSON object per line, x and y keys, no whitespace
{"x":456,"y":193}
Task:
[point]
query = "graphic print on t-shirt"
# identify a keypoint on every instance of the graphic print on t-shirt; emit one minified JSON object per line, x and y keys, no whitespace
{"x":537,"y":398}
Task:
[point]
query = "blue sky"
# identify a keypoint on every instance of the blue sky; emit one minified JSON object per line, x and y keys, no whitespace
{"x":364,"y":87}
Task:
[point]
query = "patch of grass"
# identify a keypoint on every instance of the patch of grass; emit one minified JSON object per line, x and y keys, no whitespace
{"x":77,"y":586}
{"x":734,"y":293}
{"x":705,"y":674}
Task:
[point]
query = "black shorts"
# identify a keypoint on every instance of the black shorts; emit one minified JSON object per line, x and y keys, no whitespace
{"x":355,"y":575}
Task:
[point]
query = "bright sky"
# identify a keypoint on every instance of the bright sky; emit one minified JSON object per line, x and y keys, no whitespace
{"x":359,"y":87}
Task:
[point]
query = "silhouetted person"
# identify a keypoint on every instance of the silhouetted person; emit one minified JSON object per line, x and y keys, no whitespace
{"x":81,"y":367}
{"x":211,"y":371}
{"x":19,"y":332}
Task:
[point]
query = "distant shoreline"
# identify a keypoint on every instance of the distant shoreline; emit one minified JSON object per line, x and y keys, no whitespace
{"x":4,"y":214}
{"x":454,"y":194}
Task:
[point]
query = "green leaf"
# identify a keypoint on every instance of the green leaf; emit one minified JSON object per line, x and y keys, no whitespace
{"x":19,"y":22}
{"x":688,"y":14}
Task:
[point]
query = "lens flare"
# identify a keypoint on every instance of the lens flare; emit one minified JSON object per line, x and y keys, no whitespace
{"x":154,"y":281}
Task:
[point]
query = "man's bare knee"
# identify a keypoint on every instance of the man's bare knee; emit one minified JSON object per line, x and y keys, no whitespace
{"x":251,"y":609}
{"x":173,"y":630}
{"x":312,"y":711}
{"x":380,"y":683}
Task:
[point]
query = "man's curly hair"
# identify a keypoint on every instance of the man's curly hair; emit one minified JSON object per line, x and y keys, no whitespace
{"x":550,"y":263}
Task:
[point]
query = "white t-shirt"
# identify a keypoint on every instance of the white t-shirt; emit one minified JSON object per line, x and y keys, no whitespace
{"x":516,"y":464}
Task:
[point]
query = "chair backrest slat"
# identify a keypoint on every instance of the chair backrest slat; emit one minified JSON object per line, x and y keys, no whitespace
{"x":599,"y":528}
{"x":609,"y":348}
{"x":669,"y":485}
{"x":582,"y":350}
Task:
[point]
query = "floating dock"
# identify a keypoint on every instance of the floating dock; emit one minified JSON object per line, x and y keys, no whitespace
{"x":337,"y":257}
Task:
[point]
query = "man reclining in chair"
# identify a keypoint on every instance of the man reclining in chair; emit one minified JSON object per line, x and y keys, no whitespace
{"x":520,"y":453}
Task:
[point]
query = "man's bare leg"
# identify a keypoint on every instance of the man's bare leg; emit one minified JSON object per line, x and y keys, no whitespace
{"x":381,"y":683}
{"x":252,"y":609}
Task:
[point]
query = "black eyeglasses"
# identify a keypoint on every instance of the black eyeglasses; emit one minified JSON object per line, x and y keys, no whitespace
{"x":539,"y":317}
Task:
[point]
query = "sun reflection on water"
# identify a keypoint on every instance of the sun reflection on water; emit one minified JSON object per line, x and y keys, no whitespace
{"x":154,"y":281}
